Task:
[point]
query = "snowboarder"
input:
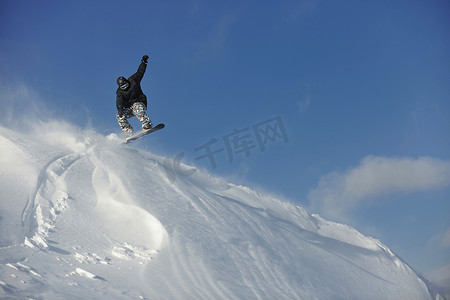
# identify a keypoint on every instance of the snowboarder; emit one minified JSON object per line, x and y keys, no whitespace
{"x":131,"y":101}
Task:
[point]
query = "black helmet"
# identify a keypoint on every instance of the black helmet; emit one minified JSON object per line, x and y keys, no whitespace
{"x":123,"y":83}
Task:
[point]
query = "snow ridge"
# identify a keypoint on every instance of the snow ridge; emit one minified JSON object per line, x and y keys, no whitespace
{"x":98,"y":219}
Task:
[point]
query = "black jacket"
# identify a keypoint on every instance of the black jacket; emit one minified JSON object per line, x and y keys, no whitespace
{"x":126,"y":99}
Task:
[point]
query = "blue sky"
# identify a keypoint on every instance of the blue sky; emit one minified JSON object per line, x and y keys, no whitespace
{"x":361,"y":89}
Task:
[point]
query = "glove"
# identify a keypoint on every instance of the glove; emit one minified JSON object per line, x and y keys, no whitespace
{"x":145,"y":58}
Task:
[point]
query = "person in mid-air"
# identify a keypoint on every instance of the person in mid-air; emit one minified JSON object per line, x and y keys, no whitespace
{"x":131,"y":101}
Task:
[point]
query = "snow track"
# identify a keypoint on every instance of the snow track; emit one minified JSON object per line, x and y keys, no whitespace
{"x":49,"y":200}
{"x":99,"y":220}
{"x":130,"y":231}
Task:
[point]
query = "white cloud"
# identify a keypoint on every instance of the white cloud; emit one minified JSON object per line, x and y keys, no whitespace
{"x":18,"y":104}
{"x":215,"y":40}
{"x":305,"y":103}
{"x":441,"y":278}
{"x":445,"y":241}
{"x":339,"y":193}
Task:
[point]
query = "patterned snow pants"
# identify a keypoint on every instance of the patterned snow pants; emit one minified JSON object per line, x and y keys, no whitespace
{"x":138,"y":110}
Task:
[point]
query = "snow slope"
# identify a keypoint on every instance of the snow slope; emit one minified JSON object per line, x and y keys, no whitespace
{"x":83,"y":217}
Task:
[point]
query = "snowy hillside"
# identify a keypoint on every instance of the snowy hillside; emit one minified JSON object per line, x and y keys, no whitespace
{"x":84,"y":217}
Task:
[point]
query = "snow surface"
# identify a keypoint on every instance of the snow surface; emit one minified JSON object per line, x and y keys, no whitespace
{"x":84,"y":217}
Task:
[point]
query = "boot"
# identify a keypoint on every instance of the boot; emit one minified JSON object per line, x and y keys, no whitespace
{"x":147,"y":126}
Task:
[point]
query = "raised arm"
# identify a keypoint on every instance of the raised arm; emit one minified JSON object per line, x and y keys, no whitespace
{"x":141,"y":70}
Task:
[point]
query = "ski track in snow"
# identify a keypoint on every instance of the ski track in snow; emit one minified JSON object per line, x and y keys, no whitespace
{"x":103,"y":221}
{"x":51,"y":199}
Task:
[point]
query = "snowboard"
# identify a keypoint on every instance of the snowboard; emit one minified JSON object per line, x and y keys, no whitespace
{"x":142,"y":133}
